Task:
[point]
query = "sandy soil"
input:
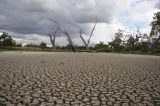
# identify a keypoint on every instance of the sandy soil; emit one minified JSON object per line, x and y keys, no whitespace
{"x":78,"y":79}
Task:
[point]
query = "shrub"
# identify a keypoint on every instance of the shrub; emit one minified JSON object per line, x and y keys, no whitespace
{"x":156,"y":51}
{"x":104,"y":50}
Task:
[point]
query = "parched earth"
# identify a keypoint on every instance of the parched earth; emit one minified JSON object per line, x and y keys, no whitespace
{"x":78,"y":79}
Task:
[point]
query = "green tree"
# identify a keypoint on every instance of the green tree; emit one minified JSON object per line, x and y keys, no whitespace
{"x":31,"y":45}
{"x":133,"y":42}
{"x":101,"y":45}
{"x":155,"y":31}
{"x":116,"y":44}
{"x":43,"y":45}
{"x":6,"y":40}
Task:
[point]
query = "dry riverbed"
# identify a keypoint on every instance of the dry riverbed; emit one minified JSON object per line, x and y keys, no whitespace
{"x":78,"y":79}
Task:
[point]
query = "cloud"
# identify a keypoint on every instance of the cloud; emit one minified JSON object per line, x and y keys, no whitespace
{"x":23,"y":17}
{"x":29,"y":19}
{"x":139,"y":15}
{"x":157,"y":4}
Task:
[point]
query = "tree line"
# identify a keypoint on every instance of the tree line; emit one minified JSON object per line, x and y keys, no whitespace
{"x":122,"y":41}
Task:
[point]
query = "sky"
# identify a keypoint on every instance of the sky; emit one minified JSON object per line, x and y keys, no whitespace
{"x":28,"y":21}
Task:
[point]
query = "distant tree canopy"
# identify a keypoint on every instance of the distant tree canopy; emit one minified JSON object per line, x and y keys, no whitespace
{"x":31,"y":45}
{"x":116,"y":44}
{"x":101,"y":45}
{"x":43,"y":45}
{"x":123,"y":41}
{"x":6,"y":40}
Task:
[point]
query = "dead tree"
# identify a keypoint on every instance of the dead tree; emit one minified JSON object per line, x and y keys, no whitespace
{"x":86,"y":43}
{"x":64,"y":31}
{"x":52,"y":40}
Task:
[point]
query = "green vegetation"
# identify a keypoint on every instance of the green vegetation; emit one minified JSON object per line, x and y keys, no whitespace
{"x":6,"y":40}
{"x":122,"y":42}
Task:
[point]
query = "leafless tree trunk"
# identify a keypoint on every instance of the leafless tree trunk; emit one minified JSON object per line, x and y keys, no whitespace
{"x":64,"y":31}
{"x":86,"y":45}
{"x":91,"y":34}
{"x":53,"y":39}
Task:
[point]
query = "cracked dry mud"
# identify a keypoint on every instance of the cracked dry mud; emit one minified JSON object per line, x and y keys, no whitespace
{"x":78,"y":79}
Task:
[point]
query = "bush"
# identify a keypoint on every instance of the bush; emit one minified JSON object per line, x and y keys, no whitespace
{"x":18,"y":45}
{"x":100,"y":45}
{"x":31,"y":45}
{"x":104,"y":50}
{"x":43,"y":45}
{"x":156,"y":51}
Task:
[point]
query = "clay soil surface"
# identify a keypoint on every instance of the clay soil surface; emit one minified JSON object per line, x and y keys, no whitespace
{"x":79,"y":79}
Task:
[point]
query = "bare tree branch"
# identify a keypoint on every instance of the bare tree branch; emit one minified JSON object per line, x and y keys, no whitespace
{"x":92,"y":32}
{"x":64,"y":31}
{"x":82,"y":38}
{"x":87,"y":43}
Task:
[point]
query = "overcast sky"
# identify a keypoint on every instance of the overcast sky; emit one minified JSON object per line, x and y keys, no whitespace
{"x":28,"y":20}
